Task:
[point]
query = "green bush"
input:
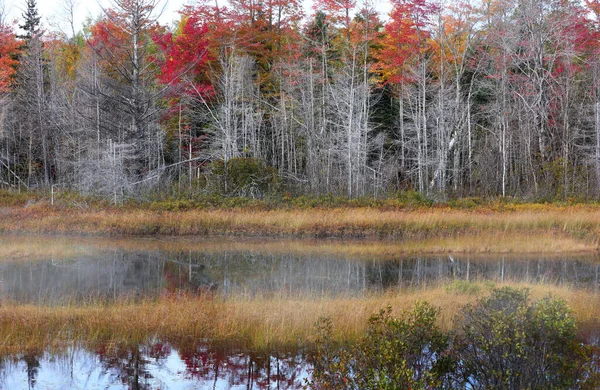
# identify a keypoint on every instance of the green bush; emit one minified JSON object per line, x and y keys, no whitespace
{"x":508,"y":343}
{"x":244,"y":177}
{"x":409,"y":352}
{"x":504,"y":342}
{"x":466,"y":203}
{"x":12,"y":198}
{"x":414,"y":199}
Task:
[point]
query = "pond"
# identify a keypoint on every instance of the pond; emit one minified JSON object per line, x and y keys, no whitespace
{"x":101,"y":271}
{"x":104,"y":270}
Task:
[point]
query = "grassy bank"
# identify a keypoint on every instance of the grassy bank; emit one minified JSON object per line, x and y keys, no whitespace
{"x":43,"y":247}
{"x":543,"y":229}
{"x":254,"y":323}
{"x":404,"y":224}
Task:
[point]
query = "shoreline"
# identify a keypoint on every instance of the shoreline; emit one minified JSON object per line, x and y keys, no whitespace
{"x":532,"y":229}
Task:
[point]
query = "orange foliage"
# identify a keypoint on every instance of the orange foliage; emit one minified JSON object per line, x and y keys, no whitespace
{"x":405,"y":37}
{"x":65,"y":54}
{"x":109,"y":41}
{"x":112,"y":40}
{"x":266,"y":31}
{"x":451,"y":44}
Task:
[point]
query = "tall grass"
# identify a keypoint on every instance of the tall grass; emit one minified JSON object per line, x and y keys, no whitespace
{"x":42,"y":247}
{"x":567,"y":228}
{"x":271,"y":321}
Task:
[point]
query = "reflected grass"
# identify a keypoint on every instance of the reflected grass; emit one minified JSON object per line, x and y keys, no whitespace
{"x":32,"y":247}
{"x":261,"y":322}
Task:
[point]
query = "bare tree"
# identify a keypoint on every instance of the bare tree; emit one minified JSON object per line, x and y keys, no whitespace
{"x":135,"y":92}
{"x":238,"y":119}
{"x":3,"y":13}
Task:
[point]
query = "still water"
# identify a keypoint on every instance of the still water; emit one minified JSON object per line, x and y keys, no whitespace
{"x":154,"y":366}
{"x":106,"y":272}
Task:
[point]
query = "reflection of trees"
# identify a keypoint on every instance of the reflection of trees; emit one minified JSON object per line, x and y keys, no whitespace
{"x":255,"y":273}
{"x":143,"y":366}
{"x":113,"y":274}
{"x":261,"y":371}
{"x":190,"y":276}
{"x":129,"y":365}
{"x":33,"y":364}
{"x":106,"y":274}
{"x":32,"y":367}
{"x":207,"y":365}
{"x":424,"y":271}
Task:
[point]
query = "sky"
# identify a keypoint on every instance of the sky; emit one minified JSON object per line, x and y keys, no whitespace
{"x":51,"y":10}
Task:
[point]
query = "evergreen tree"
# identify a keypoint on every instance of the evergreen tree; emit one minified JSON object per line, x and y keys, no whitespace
{"x":31,"y":23}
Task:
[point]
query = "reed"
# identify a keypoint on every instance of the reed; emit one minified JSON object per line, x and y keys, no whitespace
{"x":43,"y":247}
{"x":14,"y":248}
{"x":264,"y":322}
{"x":324,"y":223}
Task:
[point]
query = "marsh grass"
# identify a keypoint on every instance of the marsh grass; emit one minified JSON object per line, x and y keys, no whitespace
{"x":477,"y":246}
{"x":257,"y":323}
{"x":573,"y":229}
{"x":14,"y":248}
{"x":484,"y":243}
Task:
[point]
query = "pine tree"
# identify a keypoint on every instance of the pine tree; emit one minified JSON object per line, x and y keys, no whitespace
{"x":32,"y":21}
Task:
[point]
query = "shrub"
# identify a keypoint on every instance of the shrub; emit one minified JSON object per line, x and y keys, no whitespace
{"x":243,"y":176}
{"x":414,"y":199}
{"x":508,"y":343}
{"x":396,"y":353}
{"x":12,"y":198}
{"x":505,"y":342}
{"x":466,"y":203}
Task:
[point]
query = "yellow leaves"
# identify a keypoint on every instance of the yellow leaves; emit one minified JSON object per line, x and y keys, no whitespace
{"x":181,"y":24}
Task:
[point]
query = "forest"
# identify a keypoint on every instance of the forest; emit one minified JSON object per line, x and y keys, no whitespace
{"x":449,"y":99}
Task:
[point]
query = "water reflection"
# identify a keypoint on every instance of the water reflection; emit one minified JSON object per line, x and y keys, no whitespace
{"x":160,"y":365}
{"x":116,"y":273}
{"x":153,"y":366}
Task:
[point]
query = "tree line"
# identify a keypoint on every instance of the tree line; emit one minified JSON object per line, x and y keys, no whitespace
{"x":445,"y":97}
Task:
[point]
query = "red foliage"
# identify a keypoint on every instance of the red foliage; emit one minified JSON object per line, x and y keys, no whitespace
{"x":110,"y":42}
{"x":266,"y":31}
{"x":406,"y":33}
{"x":9,"y":49}
{"x":185,"y":57}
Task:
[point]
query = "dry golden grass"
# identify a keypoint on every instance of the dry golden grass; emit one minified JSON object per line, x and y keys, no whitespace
{"x":32,"y":247}
{"x":257,"y":323}
{"x":14,"y":248}
{"x":358,"y":222}
{"x":530,"y":229}
{"x":483,"y":243}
